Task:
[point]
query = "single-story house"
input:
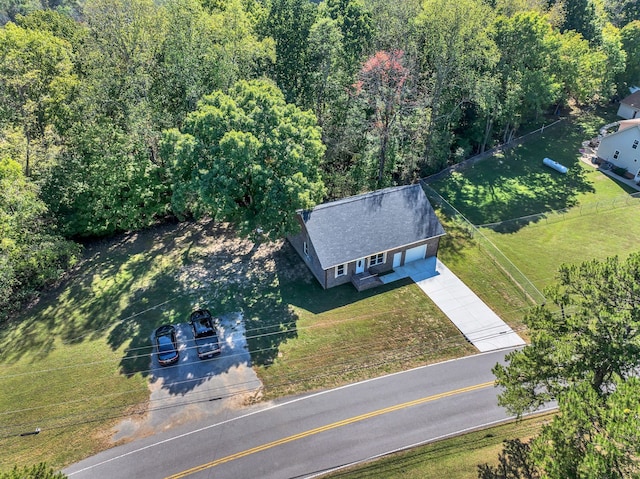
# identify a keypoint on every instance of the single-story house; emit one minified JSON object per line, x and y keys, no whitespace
{"x":360,"y":237}
{"x":630,"y":106}
{"x":622,"y":147}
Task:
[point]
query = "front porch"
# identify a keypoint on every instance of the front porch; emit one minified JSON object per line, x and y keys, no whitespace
{"x":366,"y":280}
{"x":417,"y":270}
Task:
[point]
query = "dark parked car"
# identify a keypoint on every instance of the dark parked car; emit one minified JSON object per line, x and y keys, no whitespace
{"x":167,"y":345}
{"x":204,"y":333}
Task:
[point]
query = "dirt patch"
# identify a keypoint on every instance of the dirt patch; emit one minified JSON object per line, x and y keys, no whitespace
{"x":218,"y":261}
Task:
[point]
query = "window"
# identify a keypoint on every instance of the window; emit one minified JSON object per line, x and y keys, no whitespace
{"x":341,"y":270}
{"x":305,"y":248}
{"x":635,"y":144}
{"x":376,"y":259}
{"x":616,"y":154}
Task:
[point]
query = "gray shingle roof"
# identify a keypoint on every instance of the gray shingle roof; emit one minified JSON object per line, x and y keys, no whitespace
{"x":363,"y":225}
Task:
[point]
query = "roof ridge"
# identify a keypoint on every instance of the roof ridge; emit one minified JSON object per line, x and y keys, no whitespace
{"x":362,"y":196}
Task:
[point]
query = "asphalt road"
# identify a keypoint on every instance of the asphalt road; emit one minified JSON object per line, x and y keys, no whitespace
{"x":308,"y":435}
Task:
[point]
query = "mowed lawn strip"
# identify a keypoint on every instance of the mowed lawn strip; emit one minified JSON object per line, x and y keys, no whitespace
{"x":457,"y":457}
{"x":344,"y":336}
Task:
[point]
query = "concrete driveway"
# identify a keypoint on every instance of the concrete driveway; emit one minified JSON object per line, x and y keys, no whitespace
{"x":194,"y":388}
{"x":476,"y":321}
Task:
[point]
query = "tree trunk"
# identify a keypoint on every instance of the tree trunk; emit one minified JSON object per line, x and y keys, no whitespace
{"x":382,"y":159}
{"x":488,"y":127}
{"x":28,"y":155}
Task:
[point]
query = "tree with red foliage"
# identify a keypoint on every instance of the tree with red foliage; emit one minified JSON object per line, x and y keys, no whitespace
{"x":383,"y":84}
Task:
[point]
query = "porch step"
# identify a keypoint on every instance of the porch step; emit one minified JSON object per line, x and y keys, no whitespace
{"x":365,"y":280}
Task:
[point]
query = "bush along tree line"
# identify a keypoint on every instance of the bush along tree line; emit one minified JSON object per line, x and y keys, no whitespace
{"x":584,"y":355}
{"x":123,"y":113}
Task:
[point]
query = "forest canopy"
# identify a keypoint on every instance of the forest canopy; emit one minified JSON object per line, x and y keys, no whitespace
{"x":103,"y":102}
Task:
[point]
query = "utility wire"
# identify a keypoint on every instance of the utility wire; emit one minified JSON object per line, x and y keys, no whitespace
{"x":307,"y":379}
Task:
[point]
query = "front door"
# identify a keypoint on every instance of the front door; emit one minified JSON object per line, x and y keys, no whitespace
{"x":397,"y":259}
{"x":360,"y":266}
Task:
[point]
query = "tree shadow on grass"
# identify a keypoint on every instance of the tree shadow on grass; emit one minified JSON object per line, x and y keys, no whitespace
{"x":226,"y":275}
{"x":105,"y":288}
{"x":127,"y":287}
{"x":512,"y":189}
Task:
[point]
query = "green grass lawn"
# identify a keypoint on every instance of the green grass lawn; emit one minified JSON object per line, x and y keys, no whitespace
{"x":546,"y":218}
{"x":345,"y":336}
{"x":78,"y":360}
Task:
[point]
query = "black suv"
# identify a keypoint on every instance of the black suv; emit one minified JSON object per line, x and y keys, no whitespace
{"x":167,"y":345}
{"x":204,"y":333}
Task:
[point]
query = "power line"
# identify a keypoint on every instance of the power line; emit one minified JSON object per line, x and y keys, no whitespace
{"x":150,"y":347}
{"x":305,"y":379}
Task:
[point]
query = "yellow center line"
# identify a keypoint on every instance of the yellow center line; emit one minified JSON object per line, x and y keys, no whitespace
{"x":327,"y":427}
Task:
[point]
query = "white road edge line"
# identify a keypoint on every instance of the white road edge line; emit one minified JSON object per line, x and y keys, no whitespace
{"x":274,"y":406}
{"x":428,"y":441}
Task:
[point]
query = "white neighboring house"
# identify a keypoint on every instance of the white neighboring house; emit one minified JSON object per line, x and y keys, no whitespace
{"x":630,"y":106}
{"x":622,"y":148}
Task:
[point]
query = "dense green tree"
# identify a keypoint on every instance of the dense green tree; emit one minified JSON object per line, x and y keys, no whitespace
{"x":593,"y":436}
{"x":36,"y":79}
{"x":622,"y":12}
{"x":527,"y":79}
{"x":246,"y":157}
{"x":354,"y":20}
{"x":384,"y":86}
{"x":327,"y":76}
{"x":457,"y":51}
{"x":10,"y":10}
{"x":392,"y":24}
{"x":121,"y":56}
{"x":106,"y":181}
{"x":57,"y":23}
{"x":616,"y":60}
{"x":593,"y":337}
{"x":108,"y":177}
{"x":289,"y":24}
{"x":582,"y":69}
{"x":585,"y":356}
{"x":203,"y":52}
{"x":31,"y":252}
{"x":630,"y":36}
{"x":187,"y":68}
{"x":580,"y":17}
{"x":241,"y":54}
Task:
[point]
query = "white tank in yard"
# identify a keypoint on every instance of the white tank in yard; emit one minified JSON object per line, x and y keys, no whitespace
{"x":555,"y":165}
